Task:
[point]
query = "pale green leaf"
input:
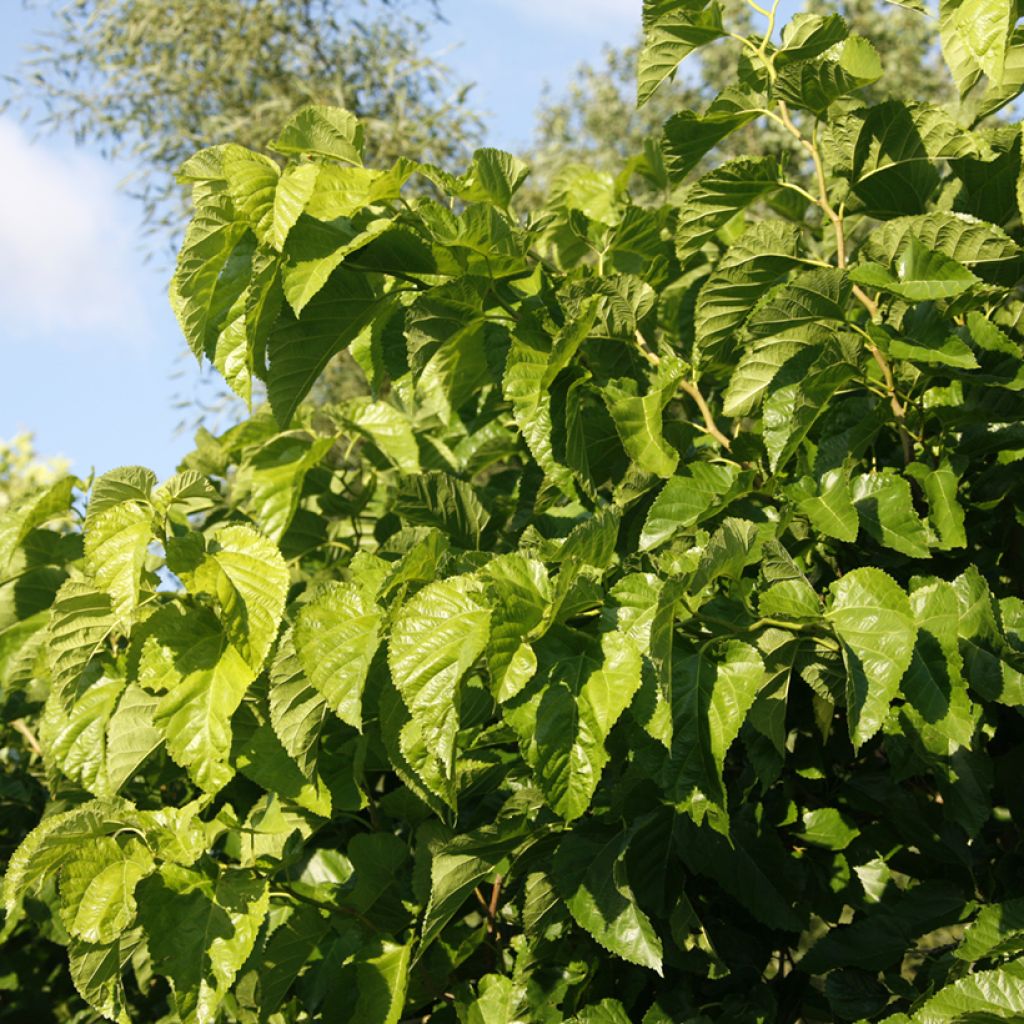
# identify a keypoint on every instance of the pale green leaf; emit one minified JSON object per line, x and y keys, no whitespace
{"x":885,"y":505}
{"x":322,"y":131}
{"x":436,"y":637}
{"x":116,"y":544}
{"x":713,"y":689}
{"x":387,"y":428}
{"x":873,"y":619}
{"x":97,"y":887}
{"x":336,"y":637}
{"x":272,"y":478}
{"x":715,"y":198}
{"x":828,"y":504}
{"x":698,"y":492}
{"x":564,"y":714}
{"x":81,"y":620}
{"x":201,"y":678}
{"x":992,"y":995}
{"x":247,"y":575}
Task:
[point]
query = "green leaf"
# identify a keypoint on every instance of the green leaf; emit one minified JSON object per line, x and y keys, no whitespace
{"x":974,"y":36}
{"x":688,"y":136}
{"x":246,"y":574}
{"x":590,"y":875}
{"x":96,"y":971}
{"x":672,"y":30}
{"x":828,"y":504}
{"x":330,"y":132}
{"x":944,"y":510}
{"x":638,"y":421}
{"x":873,"y":619}
{"x":131,"y":736}
{"x":893,"y":174}
{"x":885,"y":506}
{"x":436,"y":637}
{"x":372,"y":986}
{"x":297,"y":710}
{"x":800,"y":393}
{"x":983,"y":248}
{"x":715,"y":198}
{"x":997,"y":994}
{"x":526,"y":385}
{"x":713,"y":690}
{"x":74,"y":734}
{"x":698,"y":492}
{"x":760,"y":363}
{"x":934,"y":684}
{"x":994,"y":670}
{"x":827,"y":828}
{"x":520,"y":594}
{"x":81,"y":621}
{"x":206,"y":283}
{"x":199,"y":931}
{"x":493,"y":176}
{"x":315,"y":250}
{"x":293,"y":191}
{"x":460,"y":864}
{"x":438,"y":499}
{"x":563,"y":716}
{"x":201,"y":678}
{"x":498,"y":1001}
{"x":97,"y":887}
{"x":815,"y":85}
{"x":53,"y":840}
{"x":17,"y":522}
{"x":387,"y":428}
{"x":271,"y":478}
{"x":811,"y":297}
{"x":998,"y":930}
{"x":807,"y":35}
{"x":758,"y":259}
{"x":336,"y":637}
{"x":922,"y":275}
{"x":116,"y":545}
{"x":286,"y":952}
{"x":300,"y":348}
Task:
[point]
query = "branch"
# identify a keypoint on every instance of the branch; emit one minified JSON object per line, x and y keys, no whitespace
{"x":690,"y":389}
{"x":709,"y":420}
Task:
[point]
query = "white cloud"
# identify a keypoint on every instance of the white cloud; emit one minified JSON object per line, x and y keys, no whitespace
{"x":70,"y":266}
{"x":611,"y":18}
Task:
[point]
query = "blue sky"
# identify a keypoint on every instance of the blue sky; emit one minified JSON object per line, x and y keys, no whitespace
{"x":90,"y":349}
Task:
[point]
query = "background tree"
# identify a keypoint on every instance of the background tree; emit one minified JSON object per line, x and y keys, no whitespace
{"x":154,"y":80}
{"x":23,"y":471}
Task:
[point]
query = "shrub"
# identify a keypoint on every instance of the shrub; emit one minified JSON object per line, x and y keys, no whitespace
{"x":644,"y":644}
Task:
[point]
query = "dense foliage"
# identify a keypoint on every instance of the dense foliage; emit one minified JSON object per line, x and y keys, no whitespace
{"x":645,"y":644}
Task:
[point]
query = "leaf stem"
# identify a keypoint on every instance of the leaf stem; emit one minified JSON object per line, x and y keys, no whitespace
{"x":690,"y":388}
{"x":810,"y":146}
{"x":705,"y":410}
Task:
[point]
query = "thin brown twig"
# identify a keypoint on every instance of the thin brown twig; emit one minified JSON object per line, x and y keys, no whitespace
{"x":20,"y":726}
{"x":691,"y":389}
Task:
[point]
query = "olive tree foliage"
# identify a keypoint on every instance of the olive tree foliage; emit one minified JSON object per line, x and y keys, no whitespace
{"x":642,"y":644}
{"x":152,"y":81}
